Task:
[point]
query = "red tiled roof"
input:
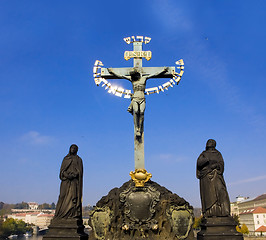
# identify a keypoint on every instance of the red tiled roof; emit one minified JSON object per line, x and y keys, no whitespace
{"x":259,"y":210}
{"x":254,"y":210}
{"x":45,"y":215}
{"x":20,"y":214}
{"x":261,"y":229}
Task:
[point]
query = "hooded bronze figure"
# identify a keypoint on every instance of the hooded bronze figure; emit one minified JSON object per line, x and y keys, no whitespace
{"x":214,"y":197}
{"x":71,"y":174}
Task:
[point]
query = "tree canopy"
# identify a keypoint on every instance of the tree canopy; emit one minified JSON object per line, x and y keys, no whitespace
{"x":22,"y":205}
{"x":47,"y":206}
{"x":13,"y":226}
{"x":236,"y":218}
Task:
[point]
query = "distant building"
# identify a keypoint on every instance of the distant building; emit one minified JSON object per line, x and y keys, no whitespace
{"x":18,"y":216}
{"x":261,"y":231}
{"x":33,"y":205}
{"x":255,"y":220}
{"x":234,"y":208}
{"x":31,"y":218}
{"x":234,"y":205}
{"x":44,"y":219}
{"x":243,"y":203}
{"x":40,"y":219}
{"x":259,"y":201}
{"x":251,"y":212}
{"x":32,"y":210}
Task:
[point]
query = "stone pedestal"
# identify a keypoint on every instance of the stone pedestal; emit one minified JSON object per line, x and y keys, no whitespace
{"x":151,"y":212}
{"x":219,"y":228}
{"x":62,"y":229}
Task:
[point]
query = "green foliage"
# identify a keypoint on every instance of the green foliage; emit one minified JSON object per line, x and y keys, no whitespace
{"x":197,"y":222}
{"x":236,"y":218}
{"x":12,"y":226}
{"x":21,"y":226}
{"x":1,"y":230}
{"x":6,"y":209}
{"x":3,"y":212}
{"x":9,"y":226}
{"x":22,"y":205}
{"x":47,"y":206}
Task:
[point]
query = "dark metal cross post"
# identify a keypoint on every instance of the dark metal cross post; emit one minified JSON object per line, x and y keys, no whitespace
{"x":138,"y":76}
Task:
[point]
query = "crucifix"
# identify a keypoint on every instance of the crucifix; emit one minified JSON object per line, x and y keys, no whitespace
{"x":138,"y":76}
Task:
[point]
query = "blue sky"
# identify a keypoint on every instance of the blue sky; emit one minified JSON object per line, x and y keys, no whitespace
{"x":49,"y":99}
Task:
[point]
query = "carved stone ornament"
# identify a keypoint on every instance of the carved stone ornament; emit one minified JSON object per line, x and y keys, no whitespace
{"x":100,"y":219}
{"x":140,"y":206}
{"x":150,"y":212}
{"x":181,"y":219}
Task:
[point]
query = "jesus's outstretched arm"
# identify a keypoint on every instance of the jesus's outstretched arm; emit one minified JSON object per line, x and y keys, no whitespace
{"x":165,"y":69}
{"x":111,"y":71}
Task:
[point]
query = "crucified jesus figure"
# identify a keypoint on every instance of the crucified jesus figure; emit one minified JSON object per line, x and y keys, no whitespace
{"x":138,"y":102}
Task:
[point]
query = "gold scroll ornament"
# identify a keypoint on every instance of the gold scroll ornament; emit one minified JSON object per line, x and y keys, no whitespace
{"x":137,"y":54}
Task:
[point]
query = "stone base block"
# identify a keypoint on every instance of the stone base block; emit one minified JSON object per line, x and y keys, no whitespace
{"x":62,"y":229}
{"x":219,"y":228}
{"x":150,"y":212}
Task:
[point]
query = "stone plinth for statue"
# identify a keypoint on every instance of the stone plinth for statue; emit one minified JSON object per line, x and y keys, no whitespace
{"x":150,"y":212}
{"x":62,"y":229}
{"x":217,"y":223}
{"x":67,"y":222}
{"x":219,"y":228}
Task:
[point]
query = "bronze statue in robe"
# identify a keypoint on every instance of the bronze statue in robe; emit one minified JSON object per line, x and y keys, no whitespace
{"x":214,"y":197}
{"x":71,"y":174}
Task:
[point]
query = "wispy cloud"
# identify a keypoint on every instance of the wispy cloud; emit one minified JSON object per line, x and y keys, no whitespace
{"x":211,"y":67}
{"x":35,"y":138}
{"x":171,"y":15}
{"x":248,"y":180}
{"x":214,"y":73}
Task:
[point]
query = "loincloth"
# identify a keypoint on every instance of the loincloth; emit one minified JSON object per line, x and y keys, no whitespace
{"x":138,"y":100}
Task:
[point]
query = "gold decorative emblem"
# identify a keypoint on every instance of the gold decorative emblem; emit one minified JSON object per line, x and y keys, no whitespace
{"x":137,"y":54}
{"x":140,"y":176}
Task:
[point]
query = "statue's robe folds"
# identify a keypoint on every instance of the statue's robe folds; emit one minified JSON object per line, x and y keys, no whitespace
{"x":214,"y":196}
{"x":69,"y":203}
